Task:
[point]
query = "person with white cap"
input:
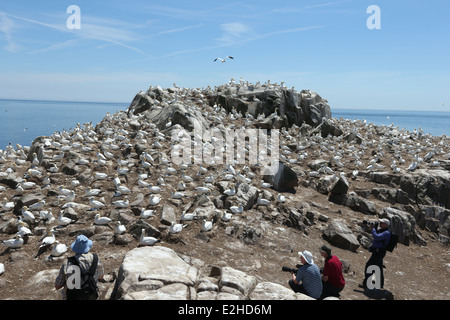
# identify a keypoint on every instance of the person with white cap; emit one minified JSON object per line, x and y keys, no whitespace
{"x":308,"y":279}
{"x":85,"y":260}
{"x":381,"y":236}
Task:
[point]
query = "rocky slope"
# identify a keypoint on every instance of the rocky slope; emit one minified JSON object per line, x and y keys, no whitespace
{"x":334,"y":173}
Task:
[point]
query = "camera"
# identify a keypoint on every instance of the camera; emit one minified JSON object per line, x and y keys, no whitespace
{"x":373,"y":224}
{"x":287,"y":269}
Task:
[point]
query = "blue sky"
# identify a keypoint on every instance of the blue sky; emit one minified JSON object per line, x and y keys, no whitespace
{"x":123,"y":47}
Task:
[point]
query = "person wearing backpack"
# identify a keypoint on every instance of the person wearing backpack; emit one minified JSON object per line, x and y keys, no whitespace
{"x":381,"y":236}
{"x":90,"y":271}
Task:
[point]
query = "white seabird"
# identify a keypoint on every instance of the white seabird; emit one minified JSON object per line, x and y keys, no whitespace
{"x":147,"y":213}
{"x":6,"y":206}
{"x":120,"y":228}
{"x":92,"y":192}
{"x":226,"y":216}
{"x":48,"y":240}
{"x":206,"y":225}
{"x":236,"y":209}
{"x":63,"y":221}
{"x":101,"y":220}
{"x":58,"y":249}
{"x":154,"y":200}
{"x":14,"y":243}
{"x":22,"y":230}
{"x":146,"y":240}
{"x":27,"y":215}
{"x":224,"y":59}
{"x":187,"y":216}
{"x":262,"y":202}
{"x":95,"y":204}
{"x":176,"y":227}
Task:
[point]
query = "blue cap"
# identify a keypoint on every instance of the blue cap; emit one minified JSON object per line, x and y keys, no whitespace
{"x":81,"y":245}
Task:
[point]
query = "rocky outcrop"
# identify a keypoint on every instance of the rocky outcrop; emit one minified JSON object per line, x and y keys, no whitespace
{"x":158,"y":273}
{"x":292,"y":107}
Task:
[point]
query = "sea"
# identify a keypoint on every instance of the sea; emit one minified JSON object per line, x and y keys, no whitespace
{"x":21,"y":121}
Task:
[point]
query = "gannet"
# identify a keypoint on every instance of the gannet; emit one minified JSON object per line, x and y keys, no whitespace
{"x":63,"y":221}
{"x":100,"y":176}
{"x":145,"y":240}
{"x":236,"y":209}
{"x":123,"y":189}
{"x":146,"y":213}
{"x":47,"y":215}
{"x":187,"y":216}
{"x":95,"y":204}
{"x":176,"y":227}
{"x":122,"y":203}
{"x":120,"y":228}
{"x":154,"y":200}
{"x":34,"y":173}
{"x":230,"y":191}
{"x":14,"y":243}
{"x":154,"y":189}
{"x":224,"y":59}
{"x":281,"y":198}
{"x":186,"y":178}
{"x":206,"y":225}
{"x":22,"y":229}
{"x":6,"y":206}
{"x":58,"y":249}
{"x":64,"y":191}
{"x":177,"y":195}
{"x":101,"y":220}
{"x":70,"y":197}
{"x":27,"y":185}
{"x":48,"y":240}
{"x":262,"y":202}
{"x":27,"y":215}
{"x":92,"y":192}
{"x":265,"y":184}
{"x":226,"y":216}
{"x":202,"y":190}
{"x":181,"y":186}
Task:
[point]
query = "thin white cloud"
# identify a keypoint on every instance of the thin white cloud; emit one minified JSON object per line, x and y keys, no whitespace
{"x":233,"y":32}
{"x":6,"y":27}
{"x":236,"y":41}
{"x":91,"y":29}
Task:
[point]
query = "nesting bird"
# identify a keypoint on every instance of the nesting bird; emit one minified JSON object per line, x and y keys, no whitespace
{"x":146,"y":240}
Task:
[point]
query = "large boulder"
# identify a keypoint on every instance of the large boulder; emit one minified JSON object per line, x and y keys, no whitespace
{"x":285,"y":179}
{"x":341,"y":236}
{"x":292,"y":106}
{"x":402,"y":223}
{"x":154,"y":273}
{"x":274,"y":291}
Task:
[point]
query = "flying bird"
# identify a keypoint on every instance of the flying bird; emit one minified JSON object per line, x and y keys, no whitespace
{"x":224,"y":59}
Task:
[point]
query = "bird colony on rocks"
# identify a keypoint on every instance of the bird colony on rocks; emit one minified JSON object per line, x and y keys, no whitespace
{"x":118,"y":184}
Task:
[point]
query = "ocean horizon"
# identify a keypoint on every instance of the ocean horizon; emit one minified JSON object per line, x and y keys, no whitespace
{"x":21,"y":121}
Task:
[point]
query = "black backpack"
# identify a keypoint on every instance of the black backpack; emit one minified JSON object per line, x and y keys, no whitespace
{"x":392,"y":242}
{"x":88,"y":289}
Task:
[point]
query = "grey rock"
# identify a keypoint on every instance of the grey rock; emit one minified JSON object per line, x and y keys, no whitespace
{"x":340,"y":235}
{"x":285,"y":179}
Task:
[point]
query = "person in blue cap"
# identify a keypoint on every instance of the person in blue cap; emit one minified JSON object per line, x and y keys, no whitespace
{"x":82,"y":261}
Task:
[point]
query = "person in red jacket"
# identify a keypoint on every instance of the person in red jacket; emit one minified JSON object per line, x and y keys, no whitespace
{"x":332,"y":277}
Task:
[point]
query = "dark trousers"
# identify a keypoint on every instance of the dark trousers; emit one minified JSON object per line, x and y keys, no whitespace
{"x":297,"y":287}
{"x":377,"y":260}
{"x":328,"y":290}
